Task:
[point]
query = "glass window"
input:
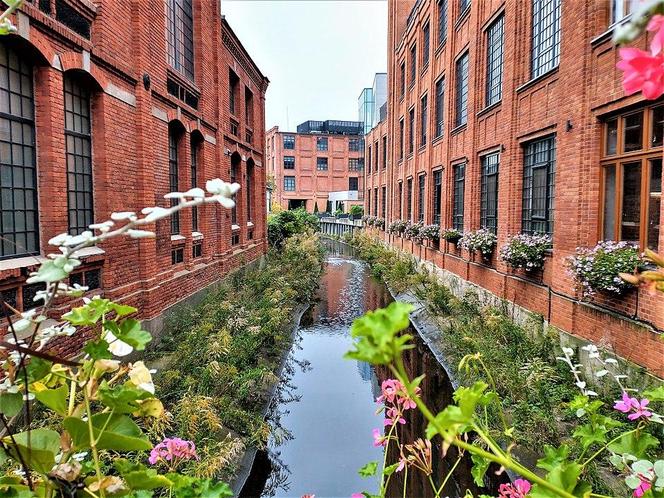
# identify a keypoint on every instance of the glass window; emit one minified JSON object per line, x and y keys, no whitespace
{"x":442,"y":21}
{"x":289,"y":142}
{"x":631,"y":202}
{"x":376,"y":201}
{"x":355,"y":144}
{"x":463,"y":6}
{"x":376,"y":154}
{"x":622,"y":8}
{"x":249,"y":194}
{"x":546,"y":36}
{"x":409,"y":199}
{"x":196,"y":144}
{"x":234,"y":174}
{"x":321,"y":143}
{"x":400,"y":200}
{"x":440,"y":107}
{"x":289,"y":183}
{"x":420,"y":197}
{"x":177,"y":256}
{"x":289,"y":162}
{"x":426,"y":39}
{"x":78,"y":150}
{"x":654,"y":202}
{"x":413,"y":64}
{"x":494,"y":61}
{"x":609,"y":202}
{"x":612,"y":137}
{"x":539,"y":174}
{"x":401,"y":137}
{"x":173,"y":174}
{"x":458,"y":199}
{"x":383,"y":201}
{"x":657,"y":131}
{"x":321,"y":163}
{"x":402,"y":79}
{"x":461,"y":101}
{"x":355,"y":165}
{"x":489,"y":192}
{"x":369,"y":159}
{"x":352,"y":183}
{"x":181,"y":36}
{"x":411,"y":131}
{"x":437,"y":195}
{"x":633,"y":132}
{"x":385,"y":152}
{"x":18,"y":175}
{"x":423,"y":121}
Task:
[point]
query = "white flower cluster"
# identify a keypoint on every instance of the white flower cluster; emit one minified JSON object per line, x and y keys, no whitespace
{"x":482,"y":241}
{"x":526,"y":251}
{"x":430,"y":232}
{"x":397,"y":227}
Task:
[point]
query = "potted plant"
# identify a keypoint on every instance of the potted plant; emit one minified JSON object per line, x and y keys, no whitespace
{"x":397,"y":227}
{"x":526,"y":251}
{"x":451,"y":235}
{"x":478,"y":241}
{"x":379,"y":223}
{"x":597,"y":269}
{"x":412,"y":231}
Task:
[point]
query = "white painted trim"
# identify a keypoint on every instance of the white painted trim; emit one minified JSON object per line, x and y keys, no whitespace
{"x":235,"y":227}
{"x":90,"y":251}
{"x":121,"y":95}
{"x":210,"y":139}
{"x":196,"y":235}
{"x":177,"y":237}
{"x":160,"y":114}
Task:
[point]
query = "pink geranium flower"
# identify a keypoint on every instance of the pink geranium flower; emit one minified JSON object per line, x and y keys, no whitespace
{"x":518,"y":489}
{"x":642,"y":488}
{"x":656,"y":25}
{"x":643,"y":72}
{"x":357,"y":495}
{"x":379,"y":438}
{"x":173,"y":451}
{"x":635,"y":408}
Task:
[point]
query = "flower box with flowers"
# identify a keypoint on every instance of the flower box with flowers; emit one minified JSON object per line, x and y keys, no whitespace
{"x":397,"y":227}
{"x":379,"y":223}
{"x":525,"y":251}
{"x":413,"y":230}
{"x":479,"y":241}
{"x":369,"y":220}
{"x":451,"y":235}
{"x":597,"y":269}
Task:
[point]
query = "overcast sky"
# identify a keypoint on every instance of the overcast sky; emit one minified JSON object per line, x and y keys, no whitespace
{"x":318,"y":55}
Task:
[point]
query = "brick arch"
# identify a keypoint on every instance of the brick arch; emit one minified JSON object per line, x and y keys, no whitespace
{"x":41,"y":44}
{"x":73,"y":61}
{"x":172,"y":115}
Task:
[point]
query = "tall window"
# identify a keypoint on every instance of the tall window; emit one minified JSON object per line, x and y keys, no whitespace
{"x":181,"y":36}
{"x":413,"y":64}
{"x":424,"y":108}
{"x":426,"y":39}
{"x":632,"y":177}
{"x":459,"y":190}
{"x":289,"y":184}
{"x":402,"y":138}
{"x":463,"y":6}
{"x":440,"y":107}
{"x":233,"y":86}
{"x":376,"y":154}
{"x":385,"y":152}
{"x":355,"y":144}
{"x":539,"y":174}
{"x":420,"y":197}
{"x":234,"y":173}
{"x":489,"y":192}
{"x":369,"y":159}
{"x":402,"y":79}
{"x":18,"y":183}
{"x":352,"y":183}
{"x":173,"y":173}
{"x":289,"y":142}
{"x":442,"y":21}
{"x":289,"y":162}
{"x":248,"y":108}
{"x":195,"y":151}
{"x":622,"y":8}
{"x":546,"y":36}
{"x":461,"y":100}
{"x":411,"y":131}
{"x":321,"y":143}
{"x":321,"y":163}
{"x":383,"y":200}
{"x":78,"y":148}
{"x":376,"y":201}
{"x":248,"y":194}
{"x":409,"y":199}
{"x":494,"y":61}
{"x":400,"y":200}
{"x":437,"y":195}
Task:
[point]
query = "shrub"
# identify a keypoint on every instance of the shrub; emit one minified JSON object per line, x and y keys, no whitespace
{"x":481,"y":241}
{"x":430,"y":232}
{"x":397,"y":227}
{"x":526,"y":251}
{"x":285,"y":224}
{"x":597,"y":269}
{"x":451,"y":235}
{"x":356,"y":211}
{"x":412,"y":231}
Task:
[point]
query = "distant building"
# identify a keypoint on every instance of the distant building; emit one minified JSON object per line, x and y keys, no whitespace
{"x":319,"y":167}
{"x":370,"y":102}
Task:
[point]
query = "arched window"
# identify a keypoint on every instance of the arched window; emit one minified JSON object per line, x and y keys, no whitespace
{"x":18,"y":175}
{"x":196,"y":144}
{"x":78,"y":149}
{"x":247,"y":195}
{"x":174,"y":135}
{"x":180,"y":27}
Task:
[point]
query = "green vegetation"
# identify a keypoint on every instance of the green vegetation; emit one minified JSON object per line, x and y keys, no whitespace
{"x":356,"y":211}
{"x":222,"y":355}
{"x":285,"y":224}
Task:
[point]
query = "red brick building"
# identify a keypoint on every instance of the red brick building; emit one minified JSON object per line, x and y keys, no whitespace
{"x":509,"y":115}
{"x":321,"y":158}
{"x":107,"y":106}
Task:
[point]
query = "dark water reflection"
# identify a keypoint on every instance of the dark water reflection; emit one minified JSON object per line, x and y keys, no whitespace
{"x":324,"y":411}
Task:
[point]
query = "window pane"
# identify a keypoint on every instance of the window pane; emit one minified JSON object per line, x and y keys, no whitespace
{"x":657,"y":126}
{"x":633,"y":132}
{"x":654,"y":202}
{"x":181,"y":36}
{"x":494,"y":61}
{"x":609,"y":202}
{"x":612,"y":137}
{"x":546,"y":36}
{"x":461,"y":100}
{"x":489,"y":192}
{"x":631,"y":202}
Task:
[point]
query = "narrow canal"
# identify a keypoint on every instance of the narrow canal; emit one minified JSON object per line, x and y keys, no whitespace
{"x":325,"y":409}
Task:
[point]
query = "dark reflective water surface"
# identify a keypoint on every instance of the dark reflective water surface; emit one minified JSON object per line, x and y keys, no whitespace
{"x":325,"y":410}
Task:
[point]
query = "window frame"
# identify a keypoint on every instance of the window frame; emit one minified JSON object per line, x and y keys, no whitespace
{"x":495,"y":54}
{"x":437,"y":198}
{"x":539,"y":64}
{"x":320,"y":163}
{"x":461,"y":91}
{"x":180,"y":52}
{"x":424,"y":110}
{"x":288,"y":164}
{"x":288,"y":183}
{"x":421,"y":196}
{"x":458,"y":195}
{"x":489,"y":172}
{"x":442,"y":21}
{"x":440,"y":107}
{"x":528,"y":186}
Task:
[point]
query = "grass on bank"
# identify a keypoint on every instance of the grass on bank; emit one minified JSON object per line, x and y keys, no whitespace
{"x":534,"y":387}
{"x":221,"y":355}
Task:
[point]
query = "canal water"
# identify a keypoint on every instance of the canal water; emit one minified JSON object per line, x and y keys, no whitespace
{"x":324,"y":411}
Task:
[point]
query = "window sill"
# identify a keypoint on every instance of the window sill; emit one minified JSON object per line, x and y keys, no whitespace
{"x":178,"y":239}
{"x":459,"y":129}
{"x":250,"y":224}
{"x":409,"y":156}
{"x":537,"y":79}
{"x":462,"y":18}
{"x":424,"y":69}
{"x":183,"y":80}
{"x":440,"y":47}
{"x":599,"y":39}
{"x":438,"y":139}
{"x":489,"y":108}
{"x":422,"y":148}
{"x":21,"y":262}
{"x":196,"y":235}
{"x":235,"y":227}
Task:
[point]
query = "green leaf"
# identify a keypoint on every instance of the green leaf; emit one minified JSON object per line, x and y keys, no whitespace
{"x":655,"y":393}
{"x":10,"y":403}
{"x":40,"y":453}
{"x":191,"y":487}
{"x":469,"y":397}
{"x":49,"y":272}
{"x":369,"y":470}
{"x":122,"y":398}
{"x":634,"y":444}
{"x":564,"y":476}
{"x":588,"y":435}
{"x":37,"y":369}
{"x":390,"y":469}
{"x":120,"y":433}
{"x":146,"y":479}
{"x":122,"y":309}
{"x":553,"y":457}
{"x":55,"y":399}
{"x":450,"y":421}
{"x":98,"y":350}
{"x":129,"y":331}
{"x":480,"y":466}
{"x":89,"y":314}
